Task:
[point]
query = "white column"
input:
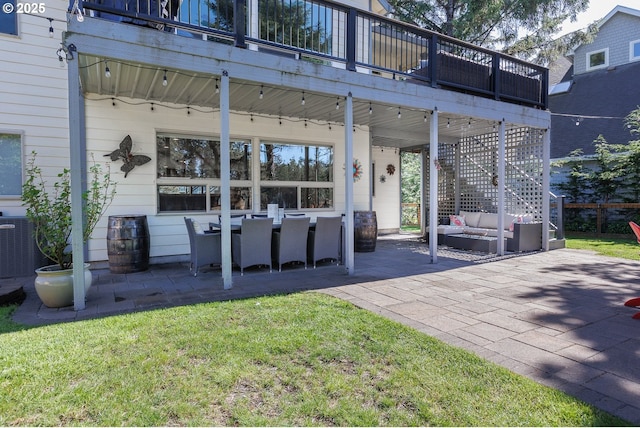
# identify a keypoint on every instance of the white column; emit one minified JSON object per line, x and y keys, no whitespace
{"x":433,"y":187}
{"x":77,"y":159}
{"x":348,"y":183}
{"x":225,"y":181}
{"x":546,"y":174}
{"x":501,"y":187}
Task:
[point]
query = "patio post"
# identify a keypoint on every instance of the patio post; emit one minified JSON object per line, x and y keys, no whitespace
{"x":348,"y":183}
{"x":225,"y":182}
{"x":77,"y":162}
{"x":546,"y":201}
{"x":501,"y":187}
{"x":433,"y":187}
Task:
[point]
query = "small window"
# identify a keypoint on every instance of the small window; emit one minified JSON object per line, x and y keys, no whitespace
{"x":598,"y":59}
{"x":9,"y":21}
{"x":10,"y":164}
{"x":634,"y":50}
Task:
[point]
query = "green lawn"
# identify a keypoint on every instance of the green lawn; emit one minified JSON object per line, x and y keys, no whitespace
{"x":626,"y":248}
{"x":302,"y":359}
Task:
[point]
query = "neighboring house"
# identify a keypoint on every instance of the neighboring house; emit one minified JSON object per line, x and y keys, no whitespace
{"x":298,"y":100}
{"x":596,"y":87}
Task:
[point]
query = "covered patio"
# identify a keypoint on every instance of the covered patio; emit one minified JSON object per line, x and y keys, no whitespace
{"x":230,"y":84}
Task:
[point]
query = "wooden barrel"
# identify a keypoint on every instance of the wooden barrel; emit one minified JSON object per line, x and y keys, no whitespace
{"x":365,"y":229}
{"x":128,"y":243}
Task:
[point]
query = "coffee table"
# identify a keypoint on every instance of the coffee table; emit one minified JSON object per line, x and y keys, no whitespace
{"x":464,"y":241}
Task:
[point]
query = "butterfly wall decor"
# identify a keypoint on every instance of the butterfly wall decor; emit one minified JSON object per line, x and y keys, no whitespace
{"x":130,"y":160}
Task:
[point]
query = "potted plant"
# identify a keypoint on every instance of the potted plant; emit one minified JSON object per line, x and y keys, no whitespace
{"x":49,"y":209}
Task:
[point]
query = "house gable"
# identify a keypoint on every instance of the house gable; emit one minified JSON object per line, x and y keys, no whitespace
{"x":620,"y":27}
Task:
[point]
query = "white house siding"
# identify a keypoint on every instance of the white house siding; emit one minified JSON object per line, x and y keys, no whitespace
{"x":108,"y":125}
{"x":620,"y":27}
{"x":33,"y":90}
{"x":386,"y":202}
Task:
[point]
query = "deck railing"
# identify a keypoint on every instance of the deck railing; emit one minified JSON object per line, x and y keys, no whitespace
{"x":338,"y":35}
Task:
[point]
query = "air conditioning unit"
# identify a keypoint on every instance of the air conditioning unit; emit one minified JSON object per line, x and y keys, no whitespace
{"x":19,"y":254}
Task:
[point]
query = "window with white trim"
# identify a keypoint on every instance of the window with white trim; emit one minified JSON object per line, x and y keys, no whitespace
{"x":10,"y":164}
{"x":634,"y":50}
{"x":188,"y":170}
{"x":9,"y":21}
{"x":598,"y":59}
{"x":296,"y":176}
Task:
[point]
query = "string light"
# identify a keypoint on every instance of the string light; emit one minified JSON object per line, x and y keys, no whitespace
{"x":338,"y":104}
{"x":113,"y":102}
{"x":448,"y":123}
{"x":399,"y":113}
{"x":261,"y":96}
{"x":107,"y":72}
{"x":188,"y":111}
{"x":152,"y":107}
{"x":425,"y":117}
{"x":370,"y":109}
{"x":50,"y":27}
{"x":302,"y":102}
{"x":164,"y":79}
{"x":217,"y":87}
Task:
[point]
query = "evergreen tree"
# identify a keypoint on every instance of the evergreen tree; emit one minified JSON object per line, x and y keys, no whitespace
{"x":522,"y":28}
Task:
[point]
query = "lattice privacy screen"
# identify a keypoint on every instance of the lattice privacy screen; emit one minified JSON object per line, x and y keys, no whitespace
{"x":468,"y":174}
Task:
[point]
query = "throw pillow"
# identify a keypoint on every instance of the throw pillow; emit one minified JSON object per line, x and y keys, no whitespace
{"x":197,"y":227}
{"x":457,"y":220}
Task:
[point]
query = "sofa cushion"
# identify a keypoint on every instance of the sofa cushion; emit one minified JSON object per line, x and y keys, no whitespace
{"x":488,"y":221}
{"x":471,"y":218}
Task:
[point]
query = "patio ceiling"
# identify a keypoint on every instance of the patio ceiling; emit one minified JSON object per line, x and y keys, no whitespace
{"x":390,"y":125}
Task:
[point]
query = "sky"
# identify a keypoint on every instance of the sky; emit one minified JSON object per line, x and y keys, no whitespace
{"x":597,"y":9}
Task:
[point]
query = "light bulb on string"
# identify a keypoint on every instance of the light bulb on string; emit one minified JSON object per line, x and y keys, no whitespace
{"x":164,"y":79}
{"x":50,"y":27}
{"x":338,"y":104}
{"x":261,"y":96}
{"x":399,"y":113}
{"x":302,"y":102}
{"x":370,"y":109}
{"x":448,"y":123}
{"x":107,"y":72}
{"x":217,"y":87}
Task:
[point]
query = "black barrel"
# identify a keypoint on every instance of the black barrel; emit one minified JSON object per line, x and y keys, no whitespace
{"x":365,"y":229}
{"x":128,"y":243}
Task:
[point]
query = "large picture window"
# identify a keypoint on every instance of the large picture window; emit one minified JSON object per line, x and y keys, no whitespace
{"x":189,"y":174}
{"x":10,"y":164}
{"x":296,"y":176}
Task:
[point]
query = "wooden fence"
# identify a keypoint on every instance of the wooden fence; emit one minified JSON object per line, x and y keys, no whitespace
{"x":606,"y":222}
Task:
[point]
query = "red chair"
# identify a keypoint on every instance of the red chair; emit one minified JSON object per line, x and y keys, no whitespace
{"x":635,"y":302}
{"x":636,"y":230}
